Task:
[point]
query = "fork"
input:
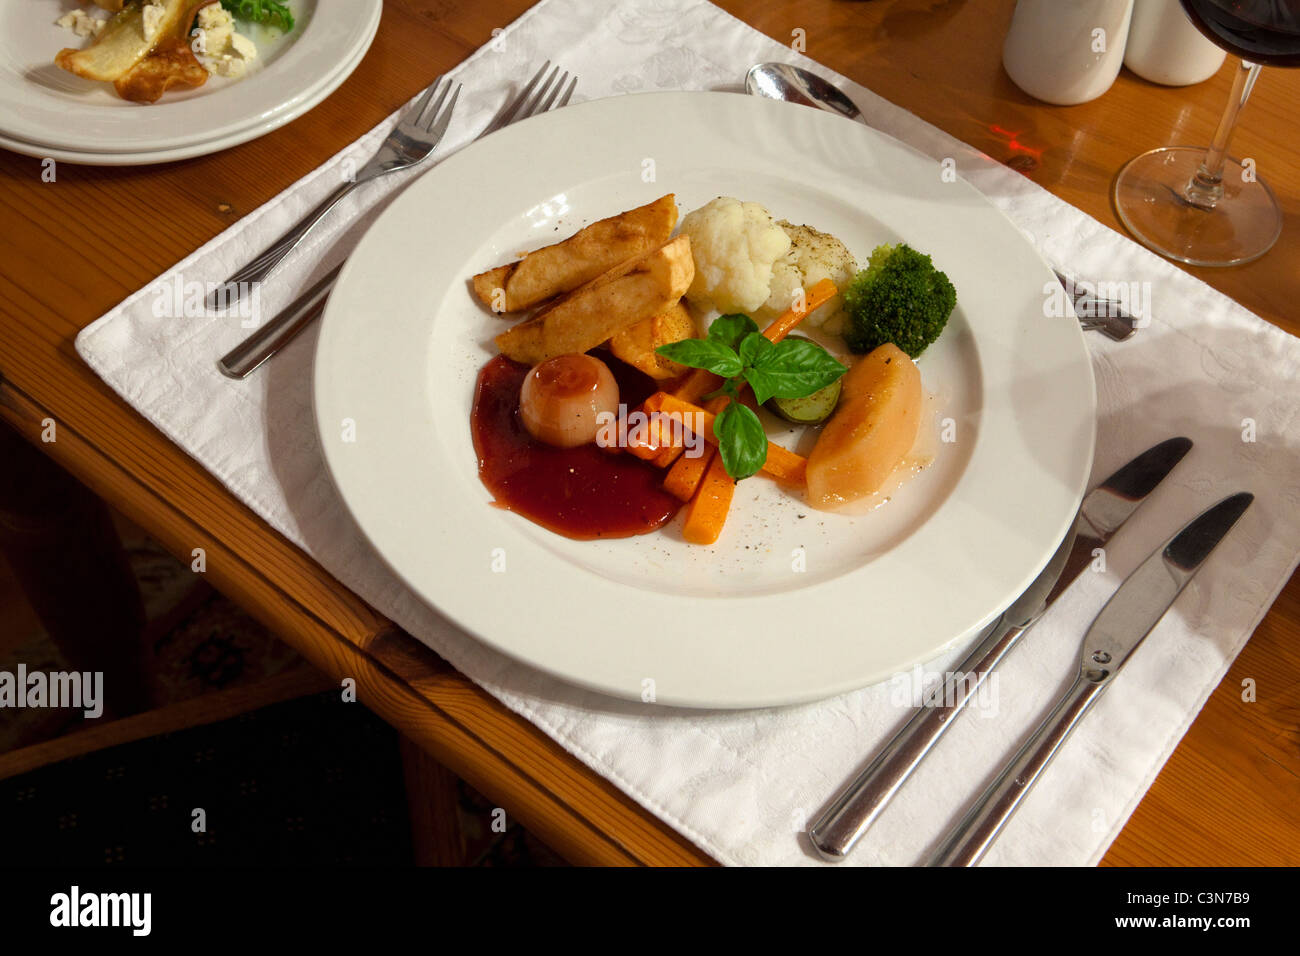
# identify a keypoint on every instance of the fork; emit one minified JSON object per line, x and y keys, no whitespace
{"x":1104,"y":315}
{"x":411,"y":141}
{"x":537,"y":97}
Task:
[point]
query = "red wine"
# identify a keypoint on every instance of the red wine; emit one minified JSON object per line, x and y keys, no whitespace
{"x":1266,"y":32}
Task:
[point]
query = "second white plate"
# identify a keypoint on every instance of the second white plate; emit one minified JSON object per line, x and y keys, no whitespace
{"x":49,"y":112}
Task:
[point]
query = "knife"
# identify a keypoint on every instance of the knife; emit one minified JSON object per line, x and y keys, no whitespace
{"x":1104,"y":509}
{"x":1115,"y":634}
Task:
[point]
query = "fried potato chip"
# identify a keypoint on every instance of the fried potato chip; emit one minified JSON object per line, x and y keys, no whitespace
{"x":170,"y":63}
{"x":634,"y":290}
{"x":122,"y":43}
{"x":563,"y":266}
{"x":636,"y":344}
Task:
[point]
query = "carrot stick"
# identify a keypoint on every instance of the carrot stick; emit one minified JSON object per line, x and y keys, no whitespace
{"x":814,"y":298}
{"x":782,"y":464}
{"x":684,"y":477}
{"x":706,"y":513}
{"x":667,"y":455}
{"x":649,"y":445}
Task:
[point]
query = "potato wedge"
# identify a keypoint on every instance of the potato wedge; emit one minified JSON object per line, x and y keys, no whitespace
{"x":636,"y":344}
{"x":562,"y":267}
{"x":170,"y":63}
{"x":122,"y":43}
{"x":632,"y":291}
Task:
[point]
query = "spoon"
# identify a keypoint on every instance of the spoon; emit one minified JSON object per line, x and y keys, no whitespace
{"x":781,"y":81}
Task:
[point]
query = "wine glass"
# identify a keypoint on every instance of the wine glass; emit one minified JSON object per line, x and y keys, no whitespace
{"x":1200,"y":206}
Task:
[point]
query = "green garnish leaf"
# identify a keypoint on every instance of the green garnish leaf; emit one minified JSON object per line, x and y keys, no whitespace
{"x":703,"y":353}
{"x":754,"y":347}
{"x":261,"y":11}
{"x":741,"y":440}
{"x":738,"y":352}
{"x":794,"y":368}
{"x":732,"y":329}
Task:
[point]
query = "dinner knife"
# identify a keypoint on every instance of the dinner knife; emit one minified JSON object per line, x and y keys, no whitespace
{"x":1102,"y":512}
{"x":1128,"y":617}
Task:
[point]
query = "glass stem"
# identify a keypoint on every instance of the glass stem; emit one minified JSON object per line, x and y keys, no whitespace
{"x":1205,"y":189}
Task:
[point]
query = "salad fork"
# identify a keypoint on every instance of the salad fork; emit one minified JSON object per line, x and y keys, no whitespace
{"x":543,"y":92}
{"x":411,"y":141}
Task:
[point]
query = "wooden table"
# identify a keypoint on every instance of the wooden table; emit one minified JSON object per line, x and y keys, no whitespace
{"x":72,"y":249}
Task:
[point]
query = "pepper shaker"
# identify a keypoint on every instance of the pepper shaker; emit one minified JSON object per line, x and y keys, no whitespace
{"x":1164,"y":47}
{"x":1066,"y":51}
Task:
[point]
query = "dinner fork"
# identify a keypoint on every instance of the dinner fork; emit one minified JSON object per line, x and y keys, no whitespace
{"x":543,"y":92}
{"x":411,"y":141}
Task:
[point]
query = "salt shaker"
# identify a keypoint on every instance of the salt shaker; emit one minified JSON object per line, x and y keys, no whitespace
{"x":1164,"y":47}
{"x":1066,"y":51}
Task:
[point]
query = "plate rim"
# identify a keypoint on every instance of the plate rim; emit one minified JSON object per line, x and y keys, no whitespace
{"x":1080,"y":358}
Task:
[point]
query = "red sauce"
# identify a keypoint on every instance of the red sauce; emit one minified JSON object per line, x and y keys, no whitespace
{"x":582,"y":492}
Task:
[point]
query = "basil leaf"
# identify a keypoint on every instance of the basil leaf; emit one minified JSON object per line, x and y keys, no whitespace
{"x":703,"y":353}
{"x":731,"y":329}
{"x":741,"y":440}
{"x":764,"y":385}
{"x":261,"y":11}
{"x":753,"y":347}
{"x":795,"y":368}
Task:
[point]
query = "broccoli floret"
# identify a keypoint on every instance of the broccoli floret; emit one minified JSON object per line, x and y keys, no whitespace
{"x":899,"y":297}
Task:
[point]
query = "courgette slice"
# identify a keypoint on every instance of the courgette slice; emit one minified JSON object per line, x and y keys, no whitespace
{"x":811,"y":409}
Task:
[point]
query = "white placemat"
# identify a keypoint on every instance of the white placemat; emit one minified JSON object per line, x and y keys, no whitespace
{"x":744,"y":785}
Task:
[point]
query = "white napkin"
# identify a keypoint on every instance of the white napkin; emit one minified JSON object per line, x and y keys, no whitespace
{"x":743,"y":785}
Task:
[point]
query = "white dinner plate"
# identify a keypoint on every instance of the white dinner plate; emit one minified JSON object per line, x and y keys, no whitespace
{"x":738,"y":624}
{"x":48,"y":112}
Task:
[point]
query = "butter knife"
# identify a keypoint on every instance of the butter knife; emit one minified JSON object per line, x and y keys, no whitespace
{"x":1102,"y":512}
{"x":1128,"y":617}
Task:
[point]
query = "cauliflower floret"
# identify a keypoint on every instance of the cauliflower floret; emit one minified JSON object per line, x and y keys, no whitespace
{"x":223,"y":51}
{"x":813,"y":256}
{"x":153,"y":13}
{"x":243,"y":46}
{"x":81,"y":23}
{"x":735,"y":245}
{"x":218,"y":26}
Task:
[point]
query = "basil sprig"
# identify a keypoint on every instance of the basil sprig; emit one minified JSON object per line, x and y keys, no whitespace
{"x":737,"y":352}
{"x":261,"y":11}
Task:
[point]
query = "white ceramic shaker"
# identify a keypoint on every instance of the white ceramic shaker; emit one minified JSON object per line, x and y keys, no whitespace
{"x":1066,"y":51}
{"x":1164,"y":47}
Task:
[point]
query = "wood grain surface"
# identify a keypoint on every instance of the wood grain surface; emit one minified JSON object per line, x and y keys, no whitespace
{"x":72,"y":249}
